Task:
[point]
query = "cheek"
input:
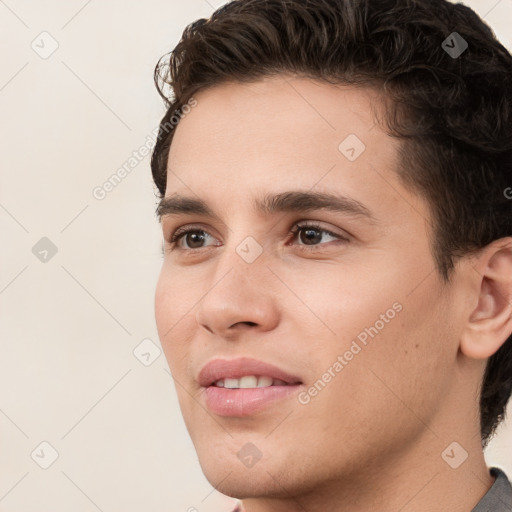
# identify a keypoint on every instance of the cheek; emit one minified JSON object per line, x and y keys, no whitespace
{"x":392,"y":335}
{"x":162,"y":306}
{"x":409,"y":361}
{"x":341,"y":302}
{"x":385,"y":385}
{"x":176,"y":293}
{"x":172,"y":316}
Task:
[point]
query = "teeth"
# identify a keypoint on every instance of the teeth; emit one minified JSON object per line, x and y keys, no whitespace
{"x":264,"y":382}
{"x":248,"y":382}
{"x":231,"y":383}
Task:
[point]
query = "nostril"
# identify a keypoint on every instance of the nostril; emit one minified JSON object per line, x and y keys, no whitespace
{"x":245,"y":323}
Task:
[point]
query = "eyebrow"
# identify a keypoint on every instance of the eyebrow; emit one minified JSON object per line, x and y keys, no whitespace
{"x":290,"y":201}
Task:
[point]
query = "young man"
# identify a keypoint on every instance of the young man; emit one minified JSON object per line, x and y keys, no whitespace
{"x":335,"y":300}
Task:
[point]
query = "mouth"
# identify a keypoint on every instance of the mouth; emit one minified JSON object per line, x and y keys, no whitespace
{"x":244,"y":386}
{"x":250,"y":382}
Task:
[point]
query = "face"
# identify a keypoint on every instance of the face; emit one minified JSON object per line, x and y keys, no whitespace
{"x":340,"y":308}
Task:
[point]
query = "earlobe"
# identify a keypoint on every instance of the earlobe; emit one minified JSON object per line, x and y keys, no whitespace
{"x":490,"y":323}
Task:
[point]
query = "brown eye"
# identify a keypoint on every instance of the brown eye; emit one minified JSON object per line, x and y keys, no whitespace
{"x":312,"y":234}
{"x":193,"y":238}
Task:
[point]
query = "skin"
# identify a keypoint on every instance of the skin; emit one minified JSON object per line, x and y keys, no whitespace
{"x":372,"y":438}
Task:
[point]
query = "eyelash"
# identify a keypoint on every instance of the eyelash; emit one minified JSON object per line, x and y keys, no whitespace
{"x":297,"y":228}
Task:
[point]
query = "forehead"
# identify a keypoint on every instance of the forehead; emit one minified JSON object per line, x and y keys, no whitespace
{"x":283,"y":133}
{"x":279,"y":118}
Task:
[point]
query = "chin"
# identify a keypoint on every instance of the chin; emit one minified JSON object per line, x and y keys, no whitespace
{"x":236,"y":467}
{"x":275,"y":475}
{"x":242,"y":483}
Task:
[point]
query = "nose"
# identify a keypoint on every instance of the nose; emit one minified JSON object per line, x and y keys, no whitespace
{"x":240,"y":298}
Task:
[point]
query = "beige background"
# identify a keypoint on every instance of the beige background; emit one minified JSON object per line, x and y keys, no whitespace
{"x":69,"y":326}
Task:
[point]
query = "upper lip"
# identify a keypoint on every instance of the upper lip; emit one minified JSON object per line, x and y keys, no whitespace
{"x":218,"y":369}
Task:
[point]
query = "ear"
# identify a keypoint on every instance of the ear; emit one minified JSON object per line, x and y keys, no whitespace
{"x":490,"y":323}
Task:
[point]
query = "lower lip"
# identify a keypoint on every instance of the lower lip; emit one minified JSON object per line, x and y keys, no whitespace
{"x":244,"y":402}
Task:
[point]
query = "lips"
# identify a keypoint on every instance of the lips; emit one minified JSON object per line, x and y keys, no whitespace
{"x":244,"y":387}
{"x":222,"y":369}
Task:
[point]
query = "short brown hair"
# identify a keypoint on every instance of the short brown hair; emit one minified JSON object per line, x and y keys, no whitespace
{"x":452,"y":112}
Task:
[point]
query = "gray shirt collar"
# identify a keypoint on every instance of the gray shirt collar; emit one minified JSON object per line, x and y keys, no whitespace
{"x":499,"y":497}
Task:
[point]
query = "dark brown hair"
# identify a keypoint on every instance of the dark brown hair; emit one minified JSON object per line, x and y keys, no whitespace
{"x":452,"y":111}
